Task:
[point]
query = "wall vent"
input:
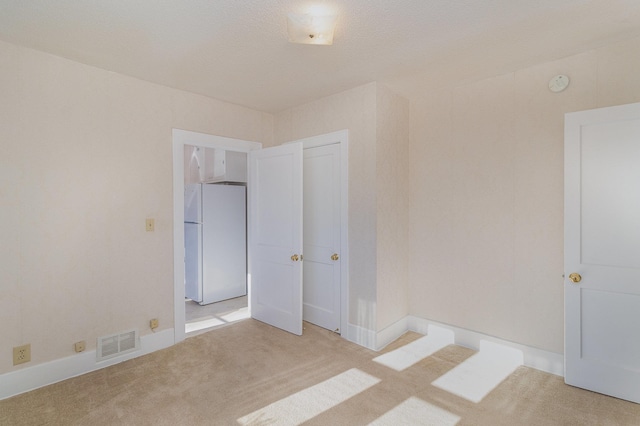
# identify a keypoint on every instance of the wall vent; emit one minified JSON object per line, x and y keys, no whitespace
{"x":117,"y":344}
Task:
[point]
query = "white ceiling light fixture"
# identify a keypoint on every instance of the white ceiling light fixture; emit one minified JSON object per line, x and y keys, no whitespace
{"x":311,"y":29}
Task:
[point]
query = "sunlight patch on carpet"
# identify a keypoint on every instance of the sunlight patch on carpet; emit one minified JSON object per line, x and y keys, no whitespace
{"x":415,"y":411}
{"x":202,"y":324}
{"x":237,"y":315}
{"x":411,"y":353}
{"x":474,"y":378}
{"x":228,"y":318}
{"x":310,"y":402}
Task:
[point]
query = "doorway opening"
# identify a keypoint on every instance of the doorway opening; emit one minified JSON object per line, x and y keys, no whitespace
{"x":234,"y":309}
{"x":215,"y":237}
{"x":182,"y":138}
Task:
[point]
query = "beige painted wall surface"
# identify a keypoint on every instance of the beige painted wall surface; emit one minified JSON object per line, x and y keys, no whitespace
{"x":392,"y":195}
{"x":354,"y":110}
{"x":86,"y":157}
{"x":486,"y":211}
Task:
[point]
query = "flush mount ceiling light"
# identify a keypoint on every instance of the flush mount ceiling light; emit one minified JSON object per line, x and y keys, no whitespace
{"x":311,"y":29}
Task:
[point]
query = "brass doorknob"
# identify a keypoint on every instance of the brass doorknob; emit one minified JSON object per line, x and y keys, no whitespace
{"x":295,"y":257}
{"x":575,"y":277}
{"x":335,"y":256}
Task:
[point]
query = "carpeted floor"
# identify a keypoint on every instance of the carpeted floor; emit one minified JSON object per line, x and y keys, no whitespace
{"x":249,"y":373}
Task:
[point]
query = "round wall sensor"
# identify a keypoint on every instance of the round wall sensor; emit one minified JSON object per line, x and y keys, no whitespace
{"x":558,"y":83}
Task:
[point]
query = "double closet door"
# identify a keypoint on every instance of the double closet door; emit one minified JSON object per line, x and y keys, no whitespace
{"x":295,"y":236}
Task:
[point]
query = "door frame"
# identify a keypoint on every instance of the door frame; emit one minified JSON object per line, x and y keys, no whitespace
{"x":340,"y":137}
{"x":180,"y":139}
{"x":186,"y":137}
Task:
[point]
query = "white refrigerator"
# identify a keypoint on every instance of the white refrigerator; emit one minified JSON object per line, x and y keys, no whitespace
{"x":215,"y":236}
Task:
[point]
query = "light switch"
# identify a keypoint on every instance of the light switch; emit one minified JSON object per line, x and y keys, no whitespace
{"x":151,"y":225}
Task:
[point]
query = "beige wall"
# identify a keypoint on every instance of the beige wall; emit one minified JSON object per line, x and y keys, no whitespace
{"x":486,"y":211}
{"x":86,"y":157}
{"x":378,"y":124}
{"x":392,"y":195}
{"x":354,"y":110}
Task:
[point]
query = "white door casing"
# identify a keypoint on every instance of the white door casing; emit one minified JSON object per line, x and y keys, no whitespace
{"x":602,"y":245}
{"x":322,"y":216}
{"x":275,"y":236}
{"x":180,"y":138}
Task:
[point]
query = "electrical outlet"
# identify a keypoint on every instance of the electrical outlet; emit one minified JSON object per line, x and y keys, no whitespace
{"x":80,"y":346}
{"x":150,"y":225}
{"x":154,"y":323}
{"x":22,"y":354}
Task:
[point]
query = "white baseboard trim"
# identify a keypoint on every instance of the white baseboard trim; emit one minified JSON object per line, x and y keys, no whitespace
{"x":30,"y":378}
{"x":391,"y":333}
{"x":361,"y":336}
{"x":539,"y":359}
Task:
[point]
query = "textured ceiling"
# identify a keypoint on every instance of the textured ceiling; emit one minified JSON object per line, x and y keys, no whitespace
{"x":237,"y":50}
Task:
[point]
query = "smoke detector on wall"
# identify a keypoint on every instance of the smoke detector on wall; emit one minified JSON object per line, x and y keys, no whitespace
{"x":558,"y":83}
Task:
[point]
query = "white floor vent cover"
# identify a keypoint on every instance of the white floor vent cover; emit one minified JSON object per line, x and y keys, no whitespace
{"x":117,"y":344}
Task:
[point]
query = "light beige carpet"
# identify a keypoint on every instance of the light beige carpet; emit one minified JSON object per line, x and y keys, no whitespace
{"x":251,"y":373}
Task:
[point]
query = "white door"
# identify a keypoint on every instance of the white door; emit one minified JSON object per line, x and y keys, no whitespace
{"x":275,"y":236}
{"x":321,"y":289}
{"x":602,"y":251}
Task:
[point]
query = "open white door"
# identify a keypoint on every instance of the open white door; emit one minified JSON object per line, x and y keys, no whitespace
{"x":602,"y":251}
{"x":275,"y":236}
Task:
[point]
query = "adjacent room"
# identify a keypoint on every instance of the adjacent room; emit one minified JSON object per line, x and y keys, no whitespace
{"x":431,"y":212}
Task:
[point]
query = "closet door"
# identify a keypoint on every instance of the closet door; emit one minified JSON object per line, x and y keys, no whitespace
{"x":322,"y":222}
{"x":275,"y":236}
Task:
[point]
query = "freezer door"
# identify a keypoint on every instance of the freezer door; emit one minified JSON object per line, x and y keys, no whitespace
{"x":193,"y":261}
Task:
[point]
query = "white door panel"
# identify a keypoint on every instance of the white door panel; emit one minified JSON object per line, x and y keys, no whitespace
{"x":609,"y":310}
{"x":281,"y":291}
{"x":610,"y":194}
{"x":275,"y":235}
{"x":318,"y":301}
{"x":602,"y":244}
{"x":275,"y":221}
{"x":322,"y":222}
